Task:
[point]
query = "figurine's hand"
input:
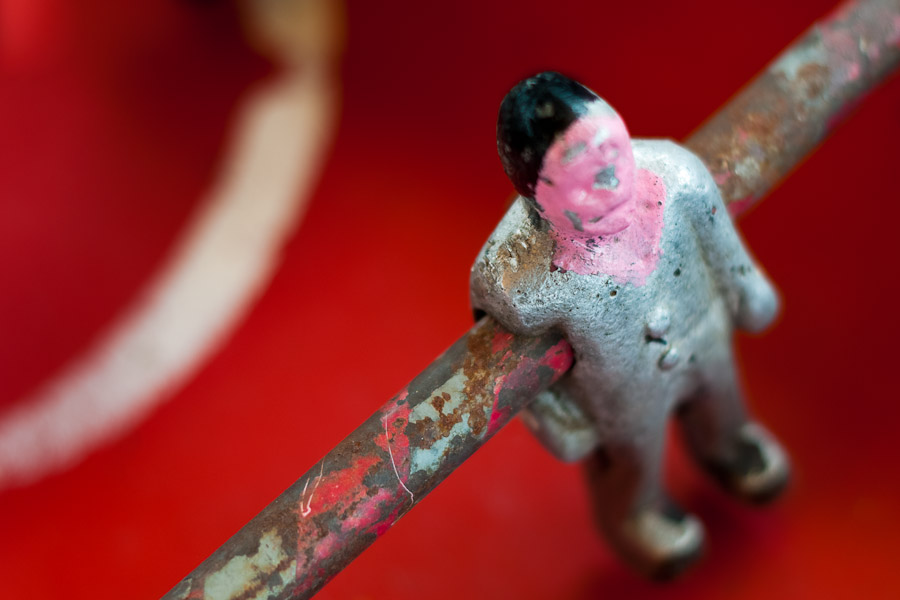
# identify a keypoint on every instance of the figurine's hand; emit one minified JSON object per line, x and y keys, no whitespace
{"x":758,"y":303}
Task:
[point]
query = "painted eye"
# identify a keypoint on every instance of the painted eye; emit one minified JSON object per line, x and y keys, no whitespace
{"x":572,"y":152}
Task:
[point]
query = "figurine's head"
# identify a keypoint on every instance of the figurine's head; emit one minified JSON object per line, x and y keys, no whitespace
{"x":568,"y":152}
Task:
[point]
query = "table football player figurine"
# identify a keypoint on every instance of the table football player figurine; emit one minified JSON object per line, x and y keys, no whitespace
{"x":625,"y":247}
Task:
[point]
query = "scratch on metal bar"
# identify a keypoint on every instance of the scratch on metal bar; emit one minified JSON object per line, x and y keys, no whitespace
{"x":394,"y":464}
{"x":305,"y":511}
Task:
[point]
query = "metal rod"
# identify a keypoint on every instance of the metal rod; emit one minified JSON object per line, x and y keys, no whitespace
{"x":779,"y":118}
{"x":380,"y":471}
{"x":384,"y":468}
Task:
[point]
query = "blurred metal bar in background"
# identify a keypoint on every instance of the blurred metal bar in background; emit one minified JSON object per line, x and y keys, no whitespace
{"x":780,"y":117}
{"x":381,"y":470}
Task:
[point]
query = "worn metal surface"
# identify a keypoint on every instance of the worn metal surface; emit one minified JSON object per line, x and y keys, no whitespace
{"x":381,"y":470}
{"x":332,"y":513}
{"x":625,"y":246}
{"x":787,"y":110}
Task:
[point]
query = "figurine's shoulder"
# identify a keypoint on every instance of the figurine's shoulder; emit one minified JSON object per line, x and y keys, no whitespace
{"x":519,"y":219}
{"x":519,"y":238}
{"x":685,"y":176}
{"x":519,"y":249}
{"x":509,"y":279}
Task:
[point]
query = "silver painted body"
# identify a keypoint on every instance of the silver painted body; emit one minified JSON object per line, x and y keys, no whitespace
{"x":641,"y":351}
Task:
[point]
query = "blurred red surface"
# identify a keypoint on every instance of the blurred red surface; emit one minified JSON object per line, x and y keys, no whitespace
{"x":111,"y":127}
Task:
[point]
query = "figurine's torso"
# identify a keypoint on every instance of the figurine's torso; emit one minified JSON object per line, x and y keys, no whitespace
{"x":635,"y":333}
{"x":626,"y":249}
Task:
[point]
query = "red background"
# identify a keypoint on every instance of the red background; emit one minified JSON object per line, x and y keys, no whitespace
{"x":111,"y":120}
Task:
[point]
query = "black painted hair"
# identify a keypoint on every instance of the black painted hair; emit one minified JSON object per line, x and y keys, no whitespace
{"x":531,"y":116}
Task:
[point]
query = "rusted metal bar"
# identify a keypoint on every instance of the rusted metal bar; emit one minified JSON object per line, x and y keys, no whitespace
{"x":387,"y":465}
{"x":381,"y":470}
{"x":780,"y":117}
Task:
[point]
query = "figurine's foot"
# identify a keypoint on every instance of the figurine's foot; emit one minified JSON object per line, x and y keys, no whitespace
{"x":757,"y":469}
{"x":662,"y":543}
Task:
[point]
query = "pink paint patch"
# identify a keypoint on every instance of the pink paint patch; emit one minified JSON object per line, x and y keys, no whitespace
{"x":327,"y":546}
{"x":630,"y":255}
{"x":844,"y":46}
{"x":361,"y":514}
{"x":499,"y":418}
{"x":559,"y":358}
{"x":343,"y":487}
{"x":721,"y":178}
{"x":367,"y":515}
{"x":381,"y":527}
{"x":501,"y":340}
{"x":738,"y":207}
{"x":525,"y":373}
{"x":345,"y":492}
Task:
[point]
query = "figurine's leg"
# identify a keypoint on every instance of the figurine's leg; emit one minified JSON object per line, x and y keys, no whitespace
{"x":561,"y":425}
{"x":644,"y":526}
{"x":740,"y":453}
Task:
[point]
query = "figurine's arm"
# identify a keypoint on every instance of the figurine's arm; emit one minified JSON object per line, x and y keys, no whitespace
{"x":561,"y":426}
{"x":489,"y":296}
{"x":508,"y":282}
{"x":553,"y":417}
{"x":751,"y":298}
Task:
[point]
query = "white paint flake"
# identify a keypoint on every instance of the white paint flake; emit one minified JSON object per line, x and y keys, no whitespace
{"x":230,"y":581}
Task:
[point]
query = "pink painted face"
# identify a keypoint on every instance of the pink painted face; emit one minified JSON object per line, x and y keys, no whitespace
{"x":587,"y":174}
